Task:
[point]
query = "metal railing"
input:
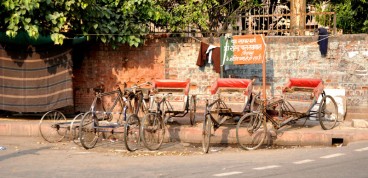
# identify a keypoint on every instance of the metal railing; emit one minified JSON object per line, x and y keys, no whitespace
{"x":275,"y":22}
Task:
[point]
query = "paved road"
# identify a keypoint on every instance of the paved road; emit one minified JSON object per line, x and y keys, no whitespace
{"x":32,"y":157}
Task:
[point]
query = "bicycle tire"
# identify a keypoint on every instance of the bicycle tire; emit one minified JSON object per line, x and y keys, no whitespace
{"x":152,"y":131}
{"x":88,"y":134}
{"x":192,"y":110}
{"x":328,"y":113}
{"x":74,"y":127}
{"x":206,"y":133}
{"x":132,"y":133}
{"x":249,"y":135}
{"x":52,"y":126}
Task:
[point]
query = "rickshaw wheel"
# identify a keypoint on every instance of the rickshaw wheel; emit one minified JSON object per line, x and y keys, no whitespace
{"x":152,"y":131}
{"x":328,"y":113}
{"x":132,"y":133}
{"x":206,"y":133}
{"x":74,"y":127}
{"x":88,"y":134}
{"x":192,"y":110}
{"x":52,"y":126}
{"x":251,"y":131}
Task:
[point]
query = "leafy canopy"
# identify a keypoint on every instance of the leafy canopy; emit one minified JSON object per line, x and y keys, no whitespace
{"x":108,"y":21}
{"x":129,"y":21}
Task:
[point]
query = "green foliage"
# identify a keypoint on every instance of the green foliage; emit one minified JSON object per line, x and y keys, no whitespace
{"x":108,"y":21}
{"x":351,"y":15}
{"x":205,"y":15}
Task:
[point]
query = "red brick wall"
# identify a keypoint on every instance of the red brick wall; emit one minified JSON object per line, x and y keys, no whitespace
{"x":102,"y":65}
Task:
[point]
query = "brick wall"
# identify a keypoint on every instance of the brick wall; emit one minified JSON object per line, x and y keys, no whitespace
{"x":101,"y":65}
{"x":345,"y":66}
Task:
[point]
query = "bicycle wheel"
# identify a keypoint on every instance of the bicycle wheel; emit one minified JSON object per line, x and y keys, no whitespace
{"x":74,"y":127}
{"x":132,"y":133}
{"x":206,"y":133}
{"x":88,"y":134}
{"x":152,"y":131}
{"x":249,"y":133}
{"x":53,"y":126}
{"x":192,"y":110}
{"x":327,"y":112}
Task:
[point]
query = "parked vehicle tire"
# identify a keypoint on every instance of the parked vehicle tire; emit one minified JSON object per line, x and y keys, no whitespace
{"x":152,"y":131}
{"x":251,"y":131}
{"x":206,"y":133}
{"x":328,"y":113}
{"x":88,"y":133}
{"x":132,"y":133}
{"x":53,"y":127}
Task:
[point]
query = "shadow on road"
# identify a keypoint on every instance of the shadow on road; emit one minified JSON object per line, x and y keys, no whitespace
{"x":23,"y":152}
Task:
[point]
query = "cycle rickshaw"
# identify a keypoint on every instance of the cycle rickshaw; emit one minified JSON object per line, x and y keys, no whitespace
{"x":170,"y":99}
{"x":119,"y":118}
{"x":299,"y":98}
{"x":230,"y":98}
{"x":54,"y":126}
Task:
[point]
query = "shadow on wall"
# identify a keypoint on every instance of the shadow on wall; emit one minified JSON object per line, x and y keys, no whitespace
{"x":250,"y":71}
{"x":99,"y":64}
{"x":53,"y":56}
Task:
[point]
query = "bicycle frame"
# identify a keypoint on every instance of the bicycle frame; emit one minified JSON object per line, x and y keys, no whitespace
{"x":169,"y":109}
{"x":119,"y":98}
{"x":92,"y":125}
{"x":285,"y":108}
{"x":222,"y":107}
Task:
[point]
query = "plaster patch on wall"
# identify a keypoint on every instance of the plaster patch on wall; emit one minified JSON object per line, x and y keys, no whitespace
{"x":352,"y":54}
{"x":340,"y":98}
{"x":365,"y":53}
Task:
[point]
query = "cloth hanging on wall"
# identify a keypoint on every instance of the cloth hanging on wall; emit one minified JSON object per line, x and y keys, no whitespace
{"x":209,"y":53}
{"x":323,"y":41}
{"x":203,"y":56}
{"x":35,"y":81}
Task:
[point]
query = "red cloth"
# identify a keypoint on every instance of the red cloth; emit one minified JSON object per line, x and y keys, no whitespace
{"x":203,"y":57}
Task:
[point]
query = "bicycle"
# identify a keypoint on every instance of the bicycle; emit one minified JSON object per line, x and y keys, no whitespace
{"x":139,"y":97}
{"x":54,"y":126}
{"x":281,"y":112}
{"x":217,"y":111}
{"x":170,"y":100}
{"x":95,"y":121}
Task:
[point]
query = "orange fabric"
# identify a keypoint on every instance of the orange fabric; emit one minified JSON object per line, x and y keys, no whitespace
{"x":231,"y":83}
{"x":168,"y":83}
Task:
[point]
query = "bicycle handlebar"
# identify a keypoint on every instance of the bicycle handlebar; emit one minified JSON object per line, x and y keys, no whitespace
{"x":138,"y":86}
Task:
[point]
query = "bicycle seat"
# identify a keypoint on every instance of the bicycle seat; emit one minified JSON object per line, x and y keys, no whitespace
{"x":99,"y":89}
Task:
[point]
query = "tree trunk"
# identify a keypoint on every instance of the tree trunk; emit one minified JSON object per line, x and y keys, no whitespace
{"x":297,"y":19}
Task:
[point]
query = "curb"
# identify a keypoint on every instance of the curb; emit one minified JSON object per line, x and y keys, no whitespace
{"x":225,"y":134}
